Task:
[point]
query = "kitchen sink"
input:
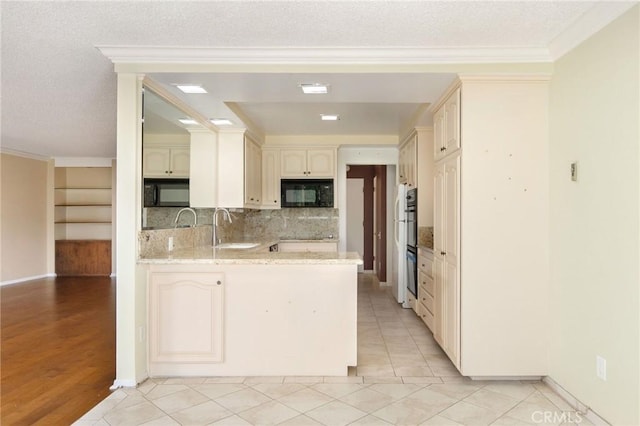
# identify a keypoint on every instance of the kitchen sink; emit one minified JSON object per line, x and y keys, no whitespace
{"x":237,"y":245}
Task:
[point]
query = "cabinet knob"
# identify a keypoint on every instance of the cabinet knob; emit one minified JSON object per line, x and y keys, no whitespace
{"x":166,"y":171}
{"x":218,"y":282}
{"x":443,"y":253}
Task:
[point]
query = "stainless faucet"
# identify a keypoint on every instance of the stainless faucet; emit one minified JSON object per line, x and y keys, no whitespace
{"x":216,"y":240}
{"x":187,"y":209}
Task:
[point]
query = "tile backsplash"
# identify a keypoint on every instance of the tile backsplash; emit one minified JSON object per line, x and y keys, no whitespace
{"x":297,"y":223}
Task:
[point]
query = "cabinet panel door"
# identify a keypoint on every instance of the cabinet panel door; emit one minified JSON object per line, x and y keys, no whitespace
{"x":321,"y":162}
{"x":293,"y":162}
{"x":439,"y":209}
{"x":438,"y":134}
{"x":438,"y":297}
{"x":271,"y":178}
{"x":451,"y":314}
{"x":452,"y":122}
{"x":452,"y":213}
{"x":179,"y":162}
{"x":186,"y":317}
{"x":156,"y":162}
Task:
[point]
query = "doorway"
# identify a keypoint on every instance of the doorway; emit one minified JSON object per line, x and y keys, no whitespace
{"x":373,"y":181}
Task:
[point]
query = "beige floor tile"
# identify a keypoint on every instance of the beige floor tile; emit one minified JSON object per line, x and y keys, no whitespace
{"x":534,"y":407}
{"x":242,"y":400}
{"x":270,"y":413}
{"x":201,"y":414}
{"x":367,"y":400}
{"x":469,"y":414}
{"x":343,"y":379}
{"x":162,"y":421}
{"x":105,"y":406}
{"x":416,"y":370}
{"x":408,"y":412}
{"x":277,"y":390}
{"x":492,"y":401}
{"x":134,"y":415}
{"x":369,"y":421}
{"x":301,"y":420}
{"x":263,"y":379}
{"x":146,"y":386}
{"x":179,"y":401}
{"x":421,"y":379}
{"x":305,"y":400}
{"x":216,"y":390}
{"x":514,"y":389}
{"x":336,"y":414}
{"x":395,"y":391}
{"x":337,"y":390}
{"x":510,"y":421}
{"x":455,"y":390}
{"x":163,"y":390}
{"x":303,"y":379}
{"x":234,"y":379}
{"x":440,"y":421}
{"x":382,"y":379}
{"x":379,"y":371}
{"x":232,"y":421}
{"x":184,"y":380}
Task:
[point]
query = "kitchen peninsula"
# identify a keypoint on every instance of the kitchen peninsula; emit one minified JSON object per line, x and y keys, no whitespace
{"x":251,"y":312}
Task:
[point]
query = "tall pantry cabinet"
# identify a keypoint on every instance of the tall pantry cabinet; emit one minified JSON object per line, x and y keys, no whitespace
{"x":491,"y":268}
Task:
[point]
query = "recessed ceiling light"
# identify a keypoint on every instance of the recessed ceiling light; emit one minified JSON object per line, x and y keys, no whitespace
{"x":191,"y":88}
{"x":187,"y":121}
{"x":329,"y":117}
{"x":221,"y":121}
{"x":314,"y":88}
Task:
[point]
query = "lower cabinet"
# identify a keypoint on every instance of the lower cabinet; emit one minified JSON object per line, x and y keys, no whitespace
{"x":186,"y":317}
{"x":426,"y":300}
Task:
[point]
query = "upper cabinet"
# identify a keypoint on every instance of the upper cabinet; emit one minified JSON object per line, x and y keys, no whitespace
{"x":307,"y":163}
{"x":270,"y":178}
{"x":446,"y":124}
{"x":252,"y":173}
{"x":407,"y":161}
{"x":166,"y":161}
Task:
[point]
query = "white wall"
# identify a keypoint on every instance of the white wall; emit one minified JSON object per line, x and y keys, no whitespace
{"x":594,"y":229}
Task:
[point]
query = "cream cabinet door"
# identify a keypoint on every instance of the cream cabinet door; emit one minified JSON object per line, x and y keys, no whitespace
{"x":156,"y":162}
{"x":452,"y":122}
{"x":321,"y":162}
{"x":271,"y":178}
{"x":186,"y":317}
{"x":446,"y":257}
{"x":165,"y":162}
{"x":438,"y":134}
{"x":293,"y":163}
{"x":253,"y":174}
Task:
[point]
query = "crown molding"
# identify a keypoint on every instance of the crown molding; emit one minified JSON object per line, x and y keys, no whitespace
{"x":596,"y":18}
{"x":24,"y":154}
{"x":322,"y":55}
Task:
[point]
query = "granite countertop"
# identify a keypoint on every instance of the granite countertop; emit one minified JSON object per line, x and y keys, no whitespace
{"x":257,"y":255}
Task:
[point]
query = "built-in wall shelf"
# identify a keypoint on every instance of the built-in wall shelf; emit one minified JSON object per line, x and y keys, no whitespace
{"x":82,"y":220}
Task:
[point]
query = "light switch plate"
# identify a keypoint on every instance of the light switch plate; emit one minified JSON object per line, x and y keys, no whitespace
{"x":574,"y":171}
{"x":601,"y":367}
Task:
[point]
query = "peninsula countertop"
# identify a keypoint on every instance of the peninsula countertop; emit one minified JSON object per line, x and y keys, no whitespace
{"x":258,"y":255}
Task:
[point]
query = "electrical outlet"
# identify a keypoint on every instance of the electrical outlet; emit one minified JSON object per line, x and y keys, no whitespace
{"x":601,"y":367}
{"x":170,"y":244}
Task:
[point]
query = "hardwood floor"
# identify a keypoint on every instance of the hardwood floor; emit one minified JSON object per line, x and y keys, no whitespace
{"x":58,"y":348}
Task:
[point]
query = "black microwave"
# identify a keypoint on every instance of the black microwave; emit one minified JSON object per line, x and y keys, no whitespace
{"x":166,"y":193}
{"x":306,"y":193}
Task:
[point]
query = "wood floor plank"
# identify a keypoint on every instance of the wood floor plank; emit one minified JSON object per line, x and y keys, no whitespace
{"x":58,"y":348}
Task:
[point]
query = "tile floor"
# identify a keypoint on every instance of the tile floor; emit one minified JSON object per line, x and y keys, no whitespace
{"x":402,"y":378}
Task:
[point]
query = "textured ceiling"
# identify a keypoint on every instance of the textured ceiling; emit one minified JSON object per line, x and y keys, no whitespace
{"x":59,"y":93}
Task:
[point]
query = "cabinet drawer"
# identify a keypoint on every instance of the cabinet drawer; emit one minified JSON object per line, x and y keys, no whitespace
{"x":426,"y":299}
{"x":425,"y":262}
{"x":426,"y":316}
{"x":426,"y":281}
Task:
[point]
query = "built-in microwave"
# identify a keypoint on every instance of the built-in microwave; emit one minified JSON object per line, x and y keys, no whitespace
{"x":306,"y":193}
{"x":166,"y":193}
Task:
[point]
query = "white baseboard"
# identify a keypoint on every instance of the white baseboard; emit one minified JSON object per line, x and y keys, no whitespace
{"x":119,"y":383}
{"x":113,"y":275}
{"x":21,"y":280}
{"x":574,"y":402}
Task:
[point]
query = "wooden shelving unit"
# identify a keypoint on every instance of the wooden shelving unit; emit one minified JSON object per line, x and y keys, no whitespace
{"x":83,"y":216}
